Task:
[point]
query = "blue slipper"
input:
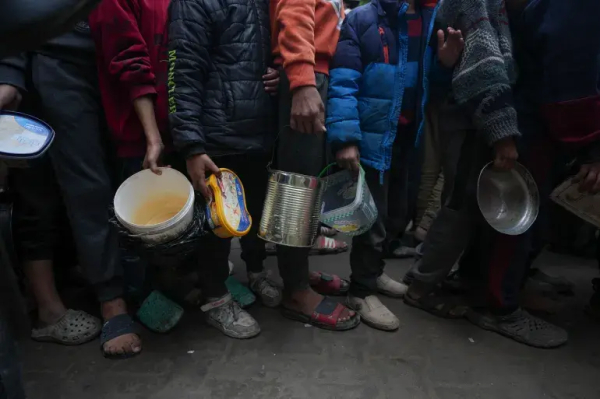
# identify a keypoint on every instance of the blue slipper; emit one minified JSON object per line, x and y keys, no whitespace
{"x":116,"y":327}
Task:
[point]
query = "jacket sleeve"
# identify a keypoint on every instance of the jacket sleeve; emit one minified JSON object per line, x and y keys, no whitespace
{"x":190,"y":33}
{"x":343,"y":123}
{"x":12,"y":71}
{"x":297,"y":40}
{"x":121,"y":45}
{"x":480,"y":81}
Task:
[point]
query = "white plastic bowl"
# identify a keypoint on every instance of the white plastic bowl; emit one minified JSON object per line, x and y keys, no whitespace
{"x":137,"y":189}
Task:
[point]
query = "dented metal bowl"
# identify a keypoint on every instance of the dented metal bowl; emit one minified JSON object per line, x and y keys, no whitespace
{"x":508,"y":200}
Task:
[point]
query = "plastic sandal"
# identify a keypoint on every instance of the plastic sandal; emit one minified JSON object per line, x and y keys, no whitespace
{"x":325,"y":316}
{"x":75,"y":327}
{"x":328,"y":284}
{"x":328,"y":246}
{"x":240,"y":293}
{"x":116,"y":327}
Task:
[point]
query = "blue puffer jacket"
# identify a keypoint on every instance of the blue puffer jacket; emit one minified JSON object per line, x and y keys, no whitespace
{"x":365,"y":92}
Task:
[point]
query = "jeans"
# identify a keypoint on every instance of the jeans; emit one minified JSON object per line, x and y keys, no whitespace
{"x":390,"y":193}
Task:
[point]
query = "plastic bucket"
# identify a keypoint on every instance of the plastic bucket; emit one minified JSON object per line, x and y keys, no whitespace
{"x":348,"y":205}
{"x":292,"y":209}
{"x":158,"y":208}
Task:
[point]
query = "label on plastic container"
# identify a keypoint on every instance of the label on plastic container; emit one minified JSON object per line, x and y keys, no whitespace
{"x":20,"y":135}
{"x":234,"y":206}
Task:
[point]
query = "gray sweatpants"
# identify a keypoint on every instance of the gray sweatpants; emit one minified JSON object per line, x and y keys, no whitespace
{"x":298,"y":153}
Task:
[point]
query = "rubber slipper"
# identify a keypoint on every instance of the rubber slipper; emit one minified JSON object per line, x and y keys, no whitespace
{"x":325,"y":316}
{"x":75,"y":327}
{"x":328,"y":246}
{"x":521,"y":327}
{"x":327,"y":231}
{"x":444,"y":306}
{"x":116,"y":327}
{"x":240,"y":293}
{"x":328,"y":284}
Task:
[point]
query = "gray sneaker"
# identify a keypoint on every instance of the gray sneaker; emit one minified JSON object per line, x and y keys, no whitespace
{"x":265,"y":289}
{"x":226,"y":316}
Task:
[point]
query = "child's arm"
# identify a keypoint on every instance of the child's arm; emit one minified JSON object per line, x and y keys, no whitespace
{"x":481,"y":82}
{"x":343,"y":123}
{"x":117,"y":36}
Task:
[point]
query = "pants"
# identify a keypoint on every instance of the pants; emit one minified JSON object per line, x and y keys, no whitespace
{"x":432,"y":179}
{"x":297,"y":153}
{"x":498,"y":261}
{"x":391,"y":199}
{"x":214,"y":269}
{"x":68,"y":99}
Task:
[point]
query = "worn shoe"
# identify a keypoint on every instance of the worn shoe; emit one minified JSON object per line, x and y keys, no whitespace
{"x":522,"y":327}
{"x":387,"y":286}
{"x":265,"y":289}
{"x":374,"y":313}
{"x":75,"y":327}
{"x":228,"y":317}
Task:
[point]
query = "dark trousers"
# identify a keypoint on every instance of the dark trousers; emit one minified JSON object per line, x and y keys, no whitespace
{"x":390,"y":193}
{"x":494,"y":261}
{"x":214,"y":254}
{"x":297,"y":153}
{"x":67,"y":97}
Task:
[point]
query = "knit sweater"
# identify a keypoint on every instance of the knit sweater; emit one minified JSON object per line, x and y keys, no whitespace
{"x":483,"y":78}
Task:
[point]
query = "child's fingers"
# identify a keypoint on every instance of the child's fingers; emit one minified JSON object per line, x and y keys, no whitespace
{"x":440,"y":38}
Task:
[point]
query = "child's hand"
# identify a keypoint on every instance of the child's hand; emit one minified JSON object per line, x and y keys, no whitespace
{"x":348,"y":158}
{"x":505,"y":154}
{"x":449,"y":50}
{"x":271,"y":81}
{"x":589,"y":178}
{"x":152,"y":158}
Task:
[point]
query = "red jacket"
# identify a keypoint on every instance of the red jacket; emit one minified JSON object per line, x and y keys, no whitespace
{"x":130,"y":37}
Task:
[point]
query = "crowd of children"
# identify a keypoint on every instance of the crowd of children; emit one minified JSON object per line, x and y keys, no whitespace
{"x":403,"y":89}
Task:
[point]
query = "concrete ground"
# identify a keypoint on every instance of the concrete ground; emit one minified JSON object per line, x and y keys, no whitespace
{"x":427,"y":358}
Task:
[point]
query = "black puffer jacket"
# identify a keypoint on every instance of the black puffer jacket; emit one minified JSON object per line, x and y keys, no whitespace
{"x":218,"y":52}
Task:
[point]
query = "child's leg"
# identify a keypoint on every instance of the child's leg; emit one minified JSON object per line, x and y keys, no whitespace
{"x":367,"y":249}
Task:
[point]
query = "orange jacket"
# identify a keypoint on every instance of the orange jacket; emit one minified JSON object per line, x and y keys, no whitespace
{"x":304,"y":37}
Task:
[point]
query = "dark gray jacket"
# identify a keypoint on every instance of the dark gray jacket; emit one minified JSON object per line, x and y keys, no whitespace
{"x":218,"y":52}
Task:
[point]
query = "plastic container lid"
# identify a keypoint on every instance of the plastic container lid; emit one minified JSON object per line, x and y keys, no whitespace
{"x":230,"y":202}
{"x":23,"y":136}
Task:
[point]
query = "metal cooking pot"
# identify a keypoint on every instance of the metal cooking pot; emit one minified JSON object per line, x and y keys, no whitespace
{"x":509,"y":200}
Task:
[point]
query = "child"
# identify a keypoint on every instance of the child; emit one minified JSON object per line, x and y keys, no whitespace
{"x":378,"y":89}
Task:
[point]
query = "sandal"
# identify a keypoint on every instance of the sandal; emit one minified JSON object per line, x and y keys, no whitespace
{"x":116,"y":327}
{"x":327,"y":231}
{"x":328,"y":284}
{"x":328,"y":246}
{"x":323,"y":246}
{"x":440,"y":305}
{"x":522,"y":327}
{"x":75,"y":327}
{"x":325,"y":316}
{"x":240,"y":293}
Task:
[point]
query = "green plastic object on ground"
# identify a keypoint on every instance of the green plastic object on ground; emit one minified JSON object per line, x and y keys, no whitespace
{"x":239,"y":292}
{"x":159,"y":313}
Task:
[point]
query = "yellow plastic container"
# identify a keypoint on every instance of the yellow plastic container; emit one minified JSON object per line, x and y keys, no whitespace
{"x":227,"y":213}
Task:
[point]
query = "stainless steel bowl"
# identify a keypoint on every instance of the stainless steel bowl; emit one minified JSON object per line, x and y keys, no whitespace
{"x":508,"y":200}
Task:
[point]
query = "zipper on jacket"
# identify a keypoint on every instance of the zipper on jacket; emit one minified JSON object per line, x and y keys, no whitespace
{"x":386,"y":48}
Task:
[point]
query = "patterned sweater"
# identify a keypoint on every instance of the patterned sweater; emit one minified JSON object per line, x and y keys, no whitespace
{"x":483,"y":78}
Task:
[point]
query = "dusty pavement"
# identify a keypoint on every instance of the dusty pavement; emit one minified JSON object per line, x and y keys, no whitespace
{"x":426,"y":358}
